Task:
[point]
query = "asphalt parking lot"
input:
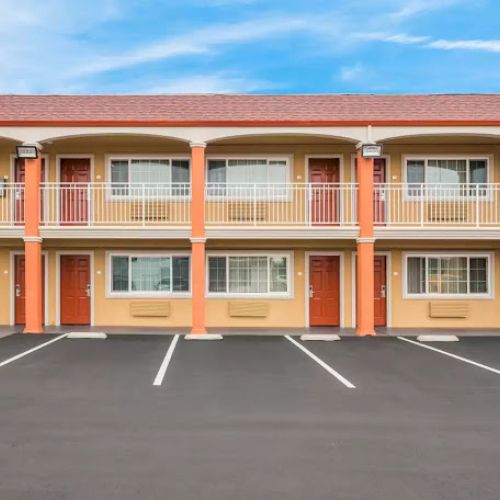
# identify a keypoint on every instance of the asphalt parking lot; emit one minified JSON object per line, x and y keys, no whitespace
{"x":136,"y":417}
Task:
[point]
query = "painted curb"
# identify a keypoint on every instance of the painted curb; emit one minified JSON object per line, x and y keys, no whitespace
{"x":87,"y":335}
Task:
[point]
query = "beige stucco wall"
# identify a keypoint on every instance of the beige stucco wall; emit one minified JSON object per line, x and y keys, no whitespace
{"x":414,"y":313}
{"x":283,"y":312}
{"x":290,"y":312}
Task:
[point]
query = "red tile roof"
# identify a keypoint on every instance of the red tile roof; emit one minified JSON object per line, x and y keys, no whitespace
{"x":219,"y":109}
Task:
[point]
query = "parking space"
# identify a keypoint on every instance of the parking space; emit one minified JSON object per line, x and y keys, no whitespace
{"x":248,"y":417}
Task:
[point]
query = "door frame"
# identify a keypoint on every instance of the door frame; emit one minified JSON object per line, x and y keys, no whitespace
{"x":12,"y":285}
{"x":319,"y":253}
{"x":58,"y":281}
{"x":339,"y":157}
{"x":77,"y":156}
{"x":388,"y":289}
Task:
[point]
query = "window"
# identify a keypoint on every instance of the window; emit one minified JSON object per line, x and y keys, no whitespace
{"x":450,"y":275}
{"x":249,"y":275}
{"x":448,"y":176}
{"x":149,"y":274}
{"x":238,"y":177}
{"x":151,"y":177}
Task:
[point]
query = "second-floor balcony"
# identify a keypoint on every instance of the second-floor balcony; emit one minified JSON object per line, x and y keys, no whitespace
{"x":326,"y":208}
{"x":281,"y":204}
{"x":437,"y":205}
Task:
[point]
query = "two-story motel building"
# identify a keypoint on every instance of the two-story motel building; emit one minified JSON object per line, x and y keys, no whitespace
{"x":250,"y":212}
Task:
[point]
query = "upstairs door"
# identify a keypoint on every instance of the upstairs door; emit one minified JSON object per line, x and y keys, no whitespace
{"x":324,"y":173}
{"x":379,"y":177}
{"x":74,"y":191}
{"x":324,"y":291}
{"x":20,"y":177}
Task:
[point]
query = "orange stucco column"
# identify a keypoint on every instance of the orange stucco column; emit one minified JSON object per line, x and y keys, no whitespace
{"x":33,"y":247}
{"x":365,"y":311}
{"x":198,"y":238}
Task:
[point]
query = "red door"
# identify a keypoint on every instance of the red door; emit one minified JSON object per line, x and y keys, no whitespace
{"x":324,"y":204}
{"x":20,"y":289}
{"x":380,"y":291}
{"x":74,"y":193}
{"x":379,"y":195}
{"x":20,"y":177}
{"x":324,"y":291}
{"x":75,"y":290}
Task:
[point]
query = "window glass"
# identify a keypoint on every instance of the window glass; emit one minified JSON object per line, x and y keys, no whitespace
{"x":150,"y":274}
{"x":150,"y":171}
{"x":415,"y":171}
{"x":180,"y":177}
{"x":180,"y":274}
{"x":278,"y":268}
{"x":119,"y":267}
{"x":216,"y":171}
{"x":243,"y":174}
{"x":246,"y":171}
{"x":248,"y":275}
{"x":119,"y":171}
{"x":478,"y":269}
{"x":458,"y":275}
{"x":259,"y":274}
{"x":217,"y":274}
{"x":119,"y":177}
{"x":216,"y":176}
{"x":416,"y":275}
{"x":447,"y":171}
{"x":478,"y":172}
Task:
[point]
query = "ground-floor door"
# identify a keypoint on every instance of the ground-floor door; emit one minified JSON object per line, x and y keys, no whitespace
{"x":75,"y":290}
{"x":324,"y":290}
{"x":20,"y":289}
{"x":380,"y":283}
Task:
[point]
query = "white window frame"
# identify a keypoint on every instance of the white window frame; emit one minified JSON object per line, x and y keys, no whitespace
{"x":268,"y":295}
{"x":288,"y":158}
{"x":120,"y":157}
{"x":426,"y":157}
{"x":477,"y":296}
{"x":144,"y":295}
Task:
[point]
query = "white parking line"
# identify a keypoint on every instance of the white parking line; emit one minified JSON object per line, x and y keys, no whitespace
{"x":166,"y":361}
{"x":454,"y":356}
{"x":25,"y":353}
{"x":321,"y":363}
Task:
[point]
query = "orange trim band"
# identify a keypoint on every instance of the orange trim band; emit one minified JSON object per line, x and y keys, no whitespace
{"x":247,"y":123}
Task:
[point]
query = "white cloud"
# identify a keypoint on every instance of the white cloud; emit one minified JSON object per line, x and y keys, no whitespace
{"x":196,"y":42}
{"x":484,"y":45}
{"x":350,"y":73}
{"x":400,"y":38}
{"x":216,"y":83}
{"x":428,"y":42}
{"x":411,"y":8}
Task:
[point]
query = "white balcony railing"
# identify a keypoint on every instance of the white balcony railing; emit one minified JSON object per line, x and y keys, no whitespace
{"x":476,"y":205}
{"x":11,"y":204}
{"x":262,"y":204}
{"x":259,"y":204}
{"x":106,"y":204}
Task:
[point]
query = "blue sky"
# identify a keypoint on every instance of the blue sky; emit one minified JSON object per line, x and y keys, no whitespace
{"x":260,"y":46}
